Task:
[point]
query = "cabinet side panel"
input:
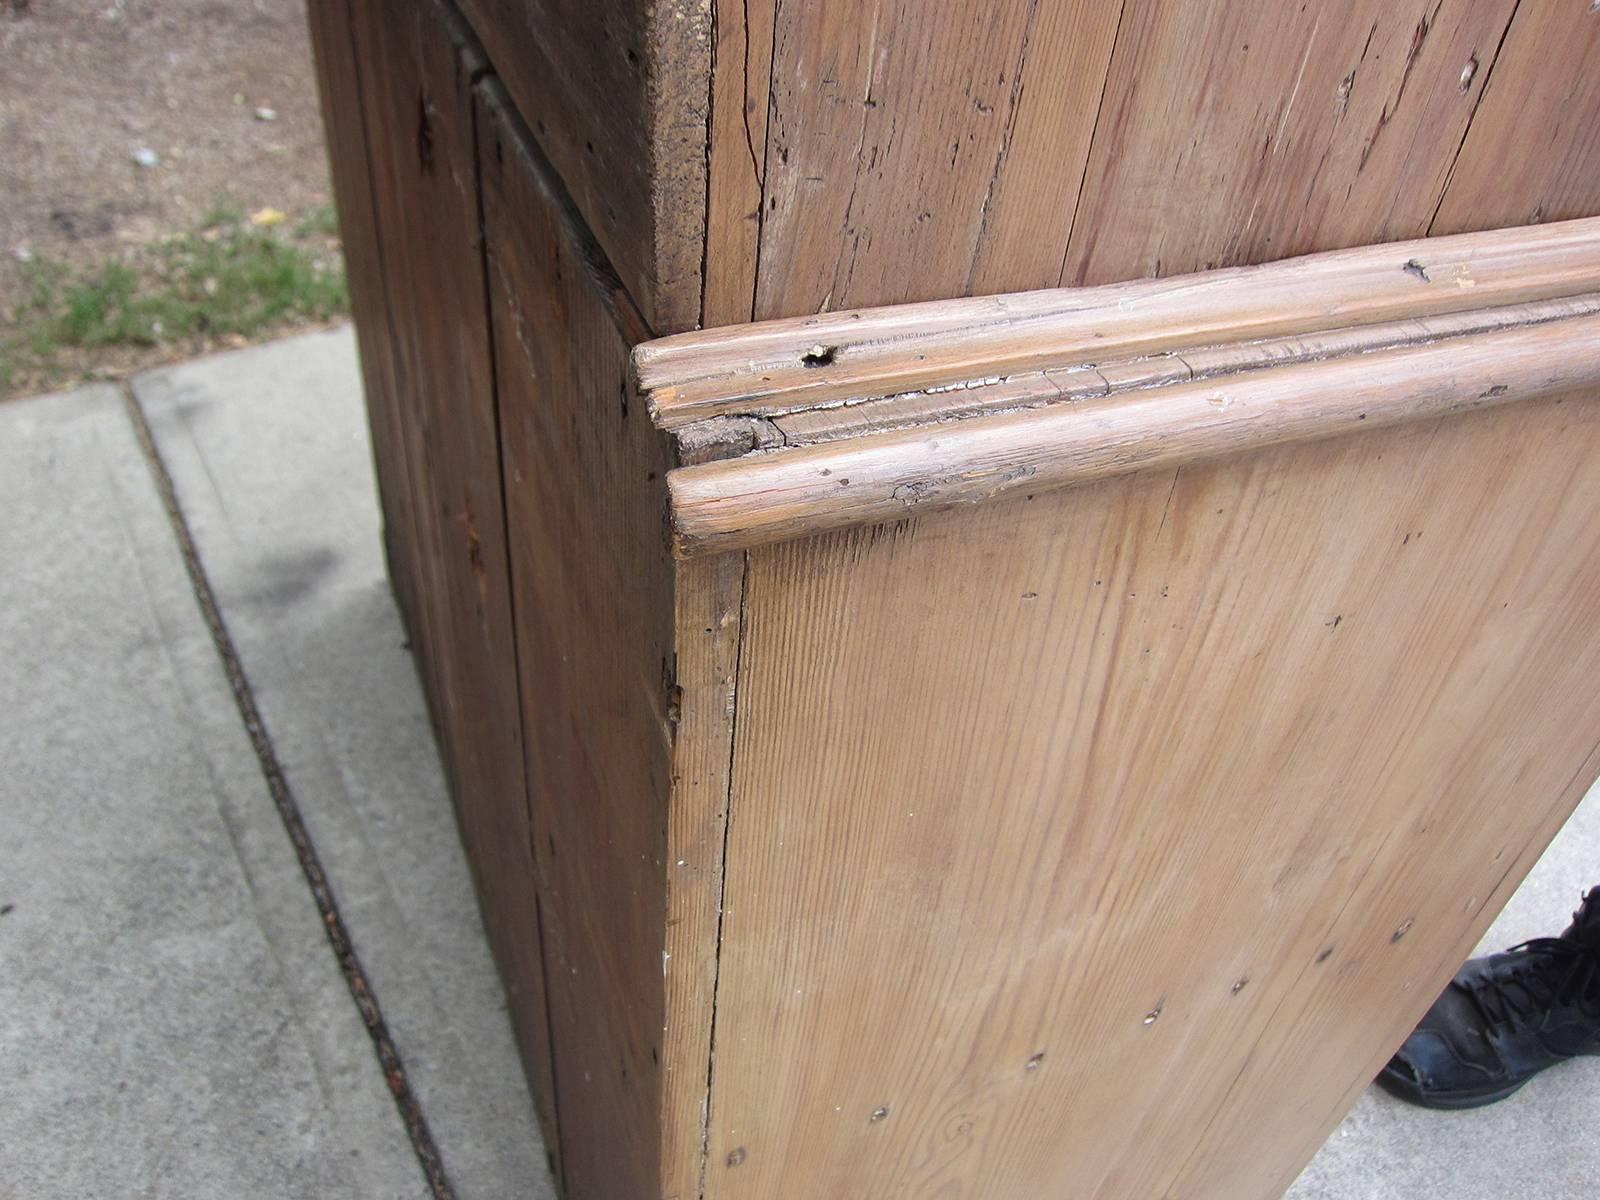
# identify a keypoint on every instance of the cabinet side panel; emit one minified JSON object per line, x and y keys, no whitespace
{"x":615,"y":93}
{"x":1533,"y":152}
{"x":593,"y":592}
{"x":1107,"y":842}
{"x":863,"y":154}
{"x":418,"y":64}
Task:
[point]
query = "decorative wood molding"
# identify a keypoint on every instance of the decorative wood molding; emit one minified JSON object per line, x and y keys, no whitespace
{"x":794,"y":427}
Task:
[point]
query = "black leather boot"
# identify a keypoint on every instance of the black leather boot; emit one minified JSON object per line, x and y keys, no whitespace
{"x":1504,"y":1018}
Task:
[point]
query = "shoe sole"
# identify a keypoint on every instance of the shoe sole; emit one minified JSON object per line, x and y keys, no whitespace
{"x":1406,"y":1088}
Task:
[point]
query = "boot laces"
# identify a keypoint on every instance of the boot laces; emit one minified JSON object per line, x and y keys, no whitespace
{"x":1557,"y":973}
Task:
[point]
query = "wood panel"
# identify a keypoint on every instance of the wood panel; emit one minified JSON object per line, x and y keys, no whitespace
{"x":594,"y":611}
{"x":710,"y":597}
{"x":878,"y":157}
{"x":418,"y":68}
{"x":616,"y":93}
{"x":1533,"y":152}
{"x":736,"y":157}
{"x":1105,"y":843}
{"x":1253,"y":130}
{"x":907,"y":158}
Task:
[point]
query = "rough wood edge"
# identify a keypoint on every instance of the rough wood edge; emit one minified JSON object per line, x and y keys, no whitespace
{"x":770,"y":497}
{"x":709,"y":622}
{"x":776,"y":368}
{"x":716,"y":438}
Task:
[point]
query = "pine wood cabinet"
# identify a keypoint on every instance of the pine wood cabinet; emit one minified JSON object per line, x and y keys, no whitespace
{"x":956,"y":681}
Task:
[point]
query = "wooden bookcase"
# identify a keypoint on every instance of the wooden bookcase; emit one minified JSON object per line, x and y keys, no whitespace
{"x":993,"y":746}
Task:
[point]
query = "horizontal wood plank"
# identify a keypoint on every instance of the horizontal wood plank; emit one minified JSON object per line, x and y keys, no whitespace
{"x":777,"y":367}
{"x":785,"y":494}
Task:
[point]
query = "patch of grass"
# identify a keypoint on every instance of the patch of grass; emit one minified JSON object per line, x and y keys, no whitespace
{"x":229,"y":281}
{"x":322,"y":221}
{"x":224,"y":210}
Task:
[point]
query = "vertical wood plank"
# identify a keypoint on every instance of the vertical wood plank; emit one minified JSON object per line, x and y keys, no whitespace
{"x":1533,"y":152}
{"x":418,"y":65}
{"x":1253,"y":130}
{"x":890,"y":174}
{"x":710,"y":597}
{"x":740,"y":82}
{"x":594,"y":612}
{"x":1028,"y":209}
{"x":1104,"y":843}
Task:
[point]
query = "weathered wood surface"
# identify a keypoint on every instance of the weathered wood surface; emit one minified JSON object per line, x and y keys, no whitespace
{"x":781,"y":366}
{"x":1106,"y":843}
{"x":1181,"y":660}
{"x":1033,"y":389}
{"x":710,"y":600}
{"x":1533,"y":152}
{"x":594,"y":609}
{"x":760,"y":158}
{"x":436,"y":431}
{"x":1253,"y":130}
{"x":616,"y":92}
{"x":883,"y":477}
{"x":873,"y":156}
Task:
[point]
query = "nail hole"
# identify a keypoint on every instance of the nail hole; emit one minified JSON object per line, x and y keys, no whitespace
{"x":1402,"y":931}
{"x":1033,"y":1063}
{"x":1413,"y":267}
{"x":879,"y":1114}
{"x":1240,"y":984}
{"x":1327,"y":953}
{"x":735,"y":1157}
{"x":1154,"y":1015}
{"x":819,"y":356}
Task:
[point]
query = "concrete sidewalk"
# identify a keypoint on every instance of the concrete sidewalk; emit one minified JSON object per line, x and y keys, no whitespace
{"x":173,"y":1020}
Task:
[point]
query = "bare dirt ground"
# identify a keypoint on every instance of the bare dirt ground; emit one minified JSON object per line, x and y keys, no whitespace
{"x":87,"y":86}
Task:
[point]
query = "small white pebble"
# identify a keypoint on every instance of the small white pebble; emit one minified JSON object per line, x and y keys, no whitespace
{"x":263,"y":113}
{"x":146,"y":157}
{"x":22,"y":254}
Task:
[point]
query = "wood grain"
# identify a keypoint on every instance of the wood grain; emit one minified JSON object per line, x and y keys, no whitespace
{"x":616,"y":92}
{"x":861,"y":154}
{"x":778,"y":367}
{"x":1533,"y":152}
{"x":594,"y":611}
{"x":1104,"y":844}
{"x":764,"y":498}
{"x":1054,"y":386}
{"x":418,"y":64}
{"x":909,"y":158}
{"x":741,"y":70}
{"x":1254,"y":130}
{"x":710,"y":598}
